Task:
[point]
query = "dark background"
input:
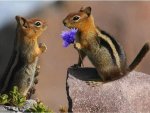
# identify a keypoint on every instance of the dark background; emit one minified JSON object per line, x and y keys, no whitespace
{"x":129,"y":22}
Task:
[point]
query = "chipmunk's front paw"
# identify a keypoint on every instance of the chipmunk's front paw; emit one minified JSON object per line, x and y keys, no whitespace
{"x":77,"y":46}
{"x":43,"y":47}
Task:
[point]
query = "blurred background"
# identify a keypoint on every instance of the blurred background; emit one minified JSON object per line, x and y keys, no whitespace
{"x":128,"y":22}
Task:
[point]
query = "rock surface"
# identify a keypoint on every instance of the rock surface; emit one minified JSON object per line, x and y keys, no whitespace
{"x":12,"y":109}
{"x":128,"y":94}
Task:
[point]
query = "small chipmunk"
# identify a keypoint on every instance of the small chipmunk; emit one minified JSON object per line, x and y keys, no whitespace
{"x":28,"y":50}
{"x":105,"y":53}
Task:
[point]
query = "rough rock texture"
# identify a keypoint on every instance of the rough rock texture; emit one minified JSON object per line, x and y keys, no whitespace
{"x":128,"y":94}
{"x":12,"y":109}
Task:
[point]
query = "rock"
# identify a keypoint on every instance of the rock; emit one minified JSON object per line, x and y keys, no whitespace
{"x":13,"y":109}
{"x":28,"y":104}
{"x":4,"y":109}
{"x":130,"y":93}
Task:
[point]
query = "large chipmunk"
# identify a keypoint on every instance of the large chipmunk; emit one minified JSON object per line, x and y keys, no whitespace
{"x":105,"y":52}
{"x":27,"y":50}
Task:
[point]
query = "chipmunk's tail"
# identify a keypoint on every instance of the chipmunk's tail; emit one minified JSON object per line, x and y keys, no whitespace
{"x":139,"y":56}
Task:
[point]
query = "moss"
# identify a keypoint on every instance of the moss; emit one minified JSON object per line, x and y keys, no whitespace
{"x":4,"y":99}
{"x":16,"y":99}
{"x":39,"y":107}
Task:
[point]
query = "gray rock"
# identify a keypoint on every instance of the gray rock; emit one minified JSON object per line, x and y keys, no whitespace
{"x":130,"y":93}
{"x":7,"y":109}
{"x":13,"y":109}
{"x":28,"y":104}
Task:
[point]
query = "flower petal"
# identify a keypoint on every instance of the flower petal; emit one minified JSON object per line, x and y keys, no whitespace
{"x":65,"y":44}
{"x":68,"y":36}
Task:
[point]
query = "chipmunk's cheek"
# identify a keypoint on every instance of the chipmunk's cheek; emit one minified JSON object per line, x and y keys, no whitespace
{"x":68,"y":26}
{"x":44,"y":28}
{"x":71,"y":26}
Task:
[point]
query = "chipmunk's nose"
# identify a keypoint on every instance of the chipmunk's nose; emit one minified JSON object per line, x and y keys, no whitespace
{"x":64,"y":22}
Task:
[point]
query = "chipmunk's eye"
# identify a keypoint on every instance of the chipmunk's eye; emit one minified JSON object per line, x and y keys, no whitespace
{"x":75,"y":18}
{"x":38,"y":24}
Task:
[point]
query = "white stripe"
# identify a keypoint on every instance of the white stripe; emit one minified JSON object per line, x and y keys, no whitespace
{"x":115,"y":53}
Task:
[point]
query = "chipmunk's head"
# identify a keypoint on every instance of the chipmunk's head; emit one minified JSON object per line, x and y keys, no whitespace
{"x":31,"y":27}
{"x":79,"y":19}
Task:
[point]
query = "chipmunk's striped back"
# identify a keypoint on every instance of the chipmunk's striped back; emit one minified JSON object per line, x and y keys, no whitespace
{"x":107,"y":56}
{"x":104,"y":52}
{"x":114,"y":48}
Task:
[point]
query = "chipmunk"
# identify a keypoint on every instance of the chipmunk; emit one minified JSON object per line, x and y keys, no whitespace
{"x":105,"y":53}
{"x":27,"y":50}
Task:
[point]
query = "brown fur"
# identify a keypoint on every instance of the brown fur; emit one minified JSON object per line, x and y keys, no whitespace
{"x":101,"y":49}
{"x":28,"y":35}
{"x":28,"y":32}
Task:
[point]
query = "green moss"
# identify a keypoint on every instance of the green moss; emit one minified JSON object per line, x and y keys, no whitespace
{"x":16,"y":99}
{"x":4,"y":99}
{"x":39,"y":107}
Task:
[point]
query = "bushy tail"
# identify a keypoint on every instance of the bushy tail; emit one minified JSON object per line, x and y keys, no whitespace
{"x":140,"y":56}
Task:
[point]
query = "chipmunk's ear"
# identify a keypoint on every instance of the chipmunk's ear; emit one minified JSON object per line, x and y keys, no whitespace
{"x":87,"y":10}
{"x":22,"y":21}
{"x":81,"y":9}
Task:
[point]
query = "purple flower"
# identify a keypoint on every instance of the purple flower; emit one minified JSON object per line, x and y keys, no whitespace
{"x":68,"y":37}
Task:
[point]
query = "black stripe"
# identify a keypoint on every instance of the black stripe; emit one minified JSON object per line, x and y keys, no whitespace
{"x":107,"y":46}
{"x":116,"y":44}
